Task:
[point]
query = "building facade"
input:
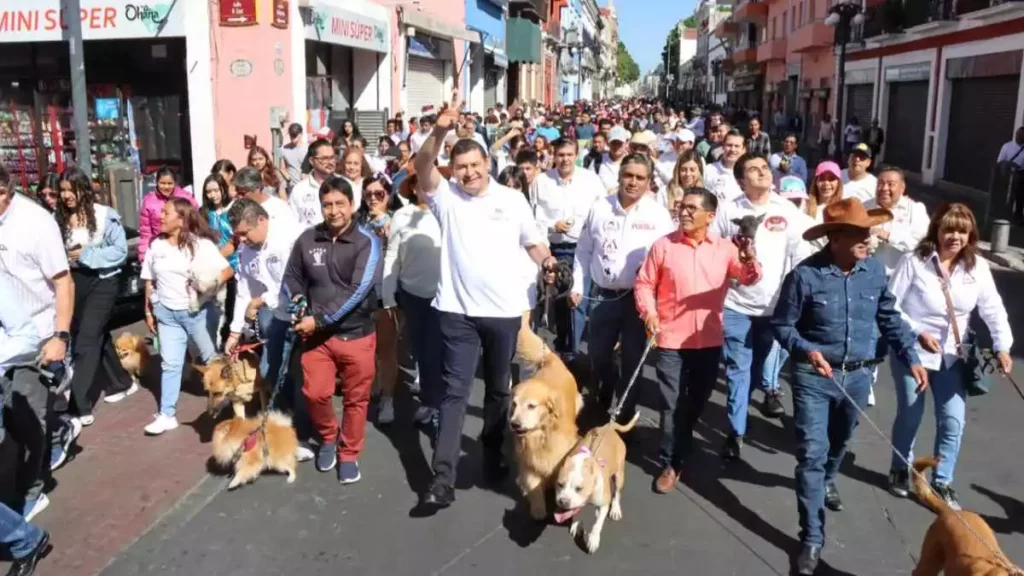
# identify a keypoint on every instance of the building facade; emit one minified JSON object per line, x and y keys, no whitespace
{"x":488,"y":61}
{"x":947,"y":85}
{"x":607,"y":77}
{"x":524,"y":40}
{"x":591,"y":48}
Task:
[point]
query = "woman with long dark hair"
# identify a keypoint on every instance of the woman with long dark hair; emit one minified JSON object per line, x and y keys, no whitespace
{"x":216,"y":202}
{"x":272,"y":175}
{"x":227,"y":170}
{"x":153,"y":206}
{"x":47,"y":192}
{"x":184,"y":270}
{"x":97,"y":248}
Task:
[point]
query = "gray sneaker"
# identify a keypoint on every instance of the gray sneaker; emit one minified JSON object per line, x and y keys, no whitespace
{"x":348,"y":472}
{"x":386,"y":410}
{"x":326,"y":457}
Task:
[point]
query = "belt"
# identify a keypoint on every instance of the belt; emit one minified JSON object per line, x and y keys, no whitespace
{"x":608,"y":292}
{"x":851,"y":366}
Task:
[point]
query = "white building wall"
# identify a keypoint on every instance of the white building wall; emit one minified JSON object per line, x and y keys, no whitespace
{"x":199,"y":68}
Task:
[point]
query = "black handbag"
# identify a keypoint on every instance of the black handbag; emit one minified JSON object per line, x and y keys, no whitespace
{"x":979,"y":365}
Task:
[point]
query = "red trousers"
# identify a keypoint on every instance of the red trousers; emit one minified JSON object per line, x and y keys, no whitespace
{"x":355,"y":362}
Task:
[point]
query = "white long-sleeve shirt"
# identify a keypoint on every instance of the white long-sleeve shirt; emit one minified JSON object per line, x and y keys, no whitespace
{"x":909,"y":225}
{"x":305,"y":202}
{"x":918,"y":291}
{"x":779,"y":244}
{"x":614,"y":242}
{"x":609,"y":173}
{"x":1012,"y":152}
{"x":570,"y":199}
{"x":261,"y":269}
{"x":722,"y":181}
{"x":412,"y":260}
{"x":19,"y":339}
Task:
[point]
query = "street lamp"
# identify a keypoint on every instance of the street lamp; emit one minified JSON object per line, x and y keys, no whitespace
{"x":573,"y":45}
{"x":716,"y":69}
{"x":843,"y":16}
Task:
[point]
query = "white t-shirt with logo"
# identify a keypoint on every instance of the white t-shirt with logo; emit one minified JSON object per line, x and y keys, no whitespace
{"x":482,"y":239}
{"x":863,"y":189}
{"x":305,"y":202}
{"x":169,"y":268}
{"x":278,"y":211}
{"x":722,"y":181}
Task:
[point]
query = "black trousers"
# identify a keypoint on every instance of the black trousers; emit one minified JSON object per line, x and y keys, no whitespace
{"x":32,"y":425}
{"x":462,"y":338}
{"x":686,"y":379}
{"x":94,"y":358}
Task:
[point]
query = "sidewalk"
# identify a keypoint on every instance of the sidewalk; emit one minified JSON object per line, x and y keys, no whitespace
{"x":119,"y":482}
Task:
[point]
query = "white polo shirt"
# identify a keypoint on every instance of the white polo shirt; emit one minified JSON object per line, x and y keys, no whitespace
{"x":482,"y":239}
{"x":614,"y":241}
{"x":570,"y":199}
{"x":31,"y":255}
{"x":305,"y":202}
{"x":278,"y":210}
{"x":863,"y":189}
{"x":261,"y":270}
{"x":722,"y":181}
{"x":779,"y":244}
{"x":909,"y":225}
{"x":609,"y":173}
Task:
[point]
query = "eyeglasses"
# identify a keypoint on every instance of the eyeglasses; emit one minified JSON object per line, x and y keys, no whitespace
{"x":376,"y":195}
{"x":325,"y":158}
{"x":691,"y":208}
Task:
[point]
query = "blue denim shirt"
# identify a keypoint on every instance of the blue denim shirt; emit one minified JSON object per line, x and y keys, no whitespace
{"x":821,"y":308}
{"x":107,"y":256}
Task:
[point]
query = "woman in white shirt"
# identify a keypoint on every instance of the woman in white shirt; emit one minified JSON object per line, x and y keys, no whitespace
{"x":948,"y":256}
{"x":97,"y":249}
{"x":183,"y":270}
{"x":412,"y":269}
{"x":354,"y":168}
{"x":687,"y":174}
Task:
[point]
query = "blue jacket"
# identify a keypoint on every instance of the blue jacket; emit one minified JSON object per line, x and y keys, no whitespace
{"x":821,"y":308}
{"x":222,"y":228}
{"x":107,"y":256}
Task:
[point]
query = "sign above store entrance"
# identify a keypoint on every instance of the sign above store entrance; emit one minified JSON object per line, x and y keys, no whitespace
{"x":340,"y":26}
{"x":46,"y":20}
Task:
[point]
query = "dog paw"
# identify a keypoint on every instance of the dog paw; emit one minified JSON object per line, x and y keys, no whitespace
{"x":592,"y":542}
{"x":291,"y":477}
{"x":574,"y":528}
{"x":616,"y":512}
{"x":235,"y":483}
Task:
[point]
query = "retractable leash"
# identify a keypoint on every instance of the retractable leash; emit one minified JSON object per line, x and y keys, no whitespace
{"x":995,"y":553}
{"x":617,"y":408}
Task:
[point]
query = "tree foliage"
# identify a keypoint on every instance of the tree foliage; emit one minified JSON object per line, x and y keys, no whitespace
{"x":670,"y":52}
{"x":629,"y":70}
{"x":690,"y":22}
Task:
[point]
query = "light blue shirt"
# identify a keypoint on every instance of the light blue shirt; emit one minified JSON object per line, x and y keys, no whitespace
{"x":19,"y":339}
{"x":797,"y":166}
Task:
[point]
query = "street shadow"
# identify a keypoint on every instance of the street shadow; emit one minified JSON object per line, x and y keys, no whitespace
{"x":522,"y":529}
{"x":406,"y":438}
{"x":850,"y":469}
{"x":1013,"y":508}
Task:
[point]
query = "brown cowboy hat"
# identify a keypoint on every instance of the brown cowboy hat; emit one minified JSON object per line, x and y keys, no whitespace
{"x":408,"y":186}
{"x":847,"y":213}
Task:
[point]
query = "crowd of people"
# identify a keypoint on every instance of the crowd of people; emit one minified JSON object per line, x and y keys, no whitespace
{"x":612,"y":223}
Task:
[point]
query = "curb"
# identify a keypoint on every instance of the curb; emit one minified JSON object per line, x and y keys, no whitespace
{"x":1006,"y":260}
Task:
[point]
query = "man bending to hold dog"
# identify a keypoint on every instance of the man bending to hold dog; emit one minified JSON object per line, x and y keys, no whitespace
{"x":480,"y":296}
{"x":826,"y":315}
{"x":262,"y":258}
{"x":335,"y":266}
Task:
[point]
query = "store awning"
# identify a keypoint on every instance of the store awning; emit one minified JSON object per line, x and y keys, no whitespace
{"x":437,"y":27}
{"x":523,"y":40}
{"x":499,"y":59}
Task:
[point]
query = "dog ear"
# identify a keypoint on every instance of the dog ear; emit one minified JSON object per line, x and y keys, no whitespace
{"x":225,"y":373}
{"x":737,"y":221}
{"x":552,"y":407}
{"x":760,"y":218}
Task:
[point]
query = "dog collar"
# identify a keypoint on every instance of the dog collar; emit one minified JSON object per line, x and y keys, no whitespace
{"x":250,"y":440}
{"x":585,"y":450}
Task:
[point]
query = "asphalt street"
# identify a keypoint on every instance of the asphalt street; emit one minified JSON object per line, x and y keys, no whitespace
{"x":739,"y":520}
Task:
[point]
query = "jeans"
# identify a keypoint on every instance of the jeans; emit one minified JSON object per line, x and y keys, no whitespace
{"x":20,"y":536}
{"x":279,"y":362}
{"x":423,"y":331}
{"x":824,"y":420}
{"x":93,"y":354}
{"x":569,"y":322}
{"x":176,"y":328}
{"x":748,"y":343}
{"x":686,"y":378}
{"x":614,"y":316}
{"x":462,"y":338}
{"x":772,"y":366}
{"x":947,"y":385}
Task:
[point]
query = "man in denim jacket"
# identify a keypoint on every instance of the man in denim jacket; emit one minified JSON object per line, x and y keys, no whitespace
{"x":825,"y":317}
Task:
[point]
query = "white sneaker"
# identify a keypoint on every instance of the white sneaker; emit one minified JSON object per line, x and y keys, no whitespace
{"x":386,"y":410}
{"x":871,"y":396}
{"x":303,"y":453}
{"x":115,"y":398}
{"x":162,"y":423}
{"x":86,"y":420}
{"x":35,"y":507}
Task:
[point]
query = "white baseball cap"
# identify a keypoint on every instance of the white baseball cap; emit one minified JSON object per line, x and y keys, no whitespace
{"x":684,"y":135}
{"x":619,"y":134}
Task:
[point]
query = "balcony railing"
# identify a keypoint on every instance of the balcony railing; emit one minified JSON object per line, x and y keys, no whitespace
{"x":814,"y":36}
{"x":752,"y":11}
{"x":539,"y":7}
{"x":895,"y":16}
{"x":772,"y":50}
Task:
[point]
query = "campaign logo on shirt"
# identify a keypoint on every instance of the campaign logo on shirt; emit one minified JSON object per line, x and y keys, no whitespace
{"x":274,"y":265}
{"x":610,"y":226}
{"x":608,"y":248}
{"x":776,"y":223}
{"x":253,"y":268}
{"x":498,"y":215}
{"x":318,"y":256}
{"x":645,"y":226}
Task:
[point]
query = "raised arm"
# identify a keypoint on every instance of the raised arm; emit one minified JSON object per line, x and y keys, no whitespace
{"x":428,"y":177}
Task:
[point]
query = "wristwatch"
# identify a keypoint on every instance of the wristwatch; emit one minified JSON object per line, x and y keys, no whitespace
{"x":62,"y":336}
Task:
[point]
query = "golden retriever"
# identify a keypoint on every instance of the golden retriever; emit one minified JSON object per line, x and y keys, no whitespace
{"x":234,"y":380}
{"x":131,"y":350}
{"x":542,"y":418}
{"x":958,"y":543}
{"x":243,"y":435}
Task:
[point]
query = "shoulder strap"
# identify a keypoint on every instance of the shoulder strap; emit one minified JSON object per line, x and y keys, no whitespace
{"x":950,"y":312}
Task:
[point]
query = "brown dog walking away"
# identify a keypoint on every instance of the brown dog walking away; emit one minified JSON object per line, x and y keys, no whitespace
{"x":542,"y":419}
{"x":949,"y":545}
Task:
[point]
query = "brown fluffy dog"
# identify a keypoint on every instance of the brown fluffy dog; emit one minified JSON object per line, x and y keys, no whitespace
{"x":243,"y":434}
{"x":232,"y":380}
{"x":542,"y":417}
{"x":131,"y":350}
{"x":949,"y":545}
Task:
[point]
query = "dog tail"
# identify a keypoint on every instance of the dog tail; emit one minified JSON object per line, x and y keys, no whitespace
{"x":919,"y":486}
{"x":531,"y":348}
{"x":627,"y":426}
{"x":276,"y":418}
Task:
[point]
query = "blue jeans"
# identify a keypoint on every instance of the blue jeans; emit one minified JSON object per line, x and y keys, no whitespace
{"x":277,"y":363}
{"x":569,"y":322}
{"x":947,"y":385}
{"x":824,"y":420}
{"x":176,"y":328}
{"x":423,"y":328}
{"x":748,"y":342}
{"x":772,"y":366}
{"x":20,"y":536}
{"x":613,"y":318}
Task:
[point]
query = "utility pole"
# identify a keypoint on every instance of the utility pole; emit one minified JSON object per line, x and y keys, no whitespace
{"x":79,"y":96}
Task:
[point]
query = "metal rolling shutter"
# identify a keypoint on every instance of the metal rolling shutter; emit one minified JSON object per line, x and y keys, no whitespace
{"x":490,"y":87}
{"x":979,"y":111}
{"x":859,"y":100}
{"x":904,"y":137}
{"x":424,"y":84}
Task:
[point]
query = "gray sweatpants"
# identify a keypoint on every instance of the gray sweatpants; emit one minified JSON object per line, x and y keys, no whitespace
{"x":30,"y":421}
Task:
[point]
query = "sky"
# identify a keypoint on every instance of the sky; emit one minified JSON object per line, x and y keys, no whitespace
{"x":644,"y":25}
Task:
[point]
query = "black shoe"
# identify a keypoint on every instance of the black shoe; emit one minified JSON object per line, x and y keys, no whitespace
{"x":899,"y":483}
{"x":438,"y":496}
{"x":946,"y":492}
{"x":832,"y":500}
{"x":772,"y":406}
{"x":733,"y":447}
{"x":26,"y":566}
{"x":807,"y":562}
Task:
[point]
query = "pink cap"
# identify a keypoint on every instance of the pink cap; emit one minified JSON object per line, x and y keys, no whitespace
{"x":830,"y":167}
